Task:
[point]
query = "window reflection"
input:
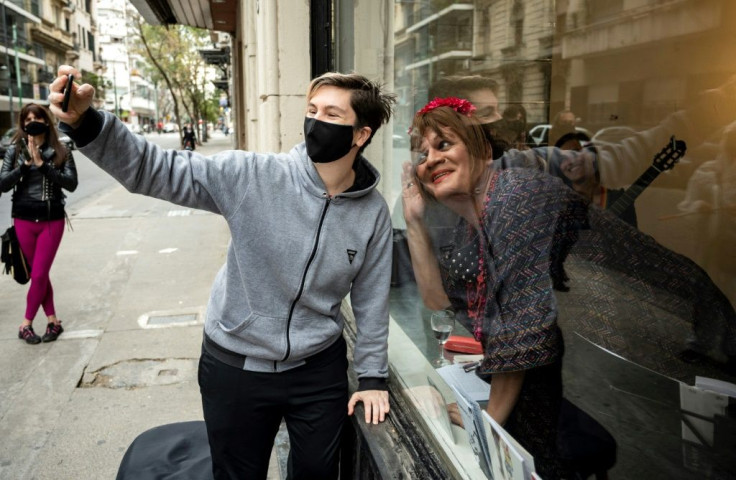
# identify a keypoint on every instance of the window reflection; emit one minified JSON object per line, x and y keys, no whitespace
{"x":640,"y":274}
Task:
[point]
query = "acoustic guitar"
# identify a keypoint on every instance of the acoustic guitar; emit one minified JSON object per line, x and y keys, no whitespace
{"x":666,"y":159}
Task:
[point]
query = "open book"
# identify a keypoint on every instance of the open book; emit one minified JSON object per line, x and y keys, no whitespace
{"x":500,"y":457}
{"x":715,"y":385}
{"x":468,"y":382}
{"x":472,"y":417}
{"x":509,"y":460}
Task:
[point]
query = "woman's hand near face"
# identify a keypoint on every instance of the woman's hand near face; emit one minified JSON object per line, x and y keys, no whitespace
{"x":423,"y":261}
{"x":411,"y":199}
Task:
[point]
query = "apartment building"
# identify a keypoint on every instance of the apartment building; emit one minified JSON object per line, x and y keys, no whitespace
{"x":37,"y":37}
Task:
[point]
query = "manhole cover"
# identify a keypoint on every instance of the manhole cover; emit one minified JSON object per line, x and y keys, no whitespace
{"x":172,"y":318}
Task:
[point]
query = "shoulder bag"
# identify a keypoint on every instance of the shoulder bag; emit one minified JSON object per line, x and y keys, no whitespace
{"x":14,"y":262}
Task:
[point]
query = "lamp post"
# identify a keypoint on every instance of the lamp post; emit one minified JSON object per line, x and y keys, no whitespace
{"x":7,"y":65}
{"x":115,"y":88}
{"x":155,"y":92}
{"x":17,"y":65}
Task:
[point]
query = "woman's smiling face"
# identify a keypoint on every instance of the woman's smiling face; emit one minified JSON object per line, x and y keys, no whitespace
{"x":444,"y":166}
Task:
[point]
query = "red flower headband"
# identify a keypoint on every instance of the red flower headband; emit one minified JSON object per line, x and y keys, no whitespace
{"x":460,"y":105}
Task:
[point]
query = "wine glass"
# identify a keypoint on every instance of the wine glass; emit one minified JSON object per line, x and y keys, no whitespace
{"x":443,"y":321}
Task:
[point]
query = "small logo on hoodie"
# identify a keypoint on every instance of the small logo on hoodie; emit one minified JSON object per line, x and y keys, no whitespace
{"x":351,"y":255}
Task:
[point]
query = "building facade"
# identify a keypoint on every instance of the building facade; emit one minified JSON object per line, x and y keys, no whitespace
{"x":38,"y":36}
{"x":129,"y":92}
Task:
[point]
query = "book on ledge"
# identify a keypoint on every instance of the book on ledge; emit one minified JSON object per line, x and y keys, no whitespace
{"x":470,"y":412}
{"x":471,"y":385}
{"x":717,"y":386}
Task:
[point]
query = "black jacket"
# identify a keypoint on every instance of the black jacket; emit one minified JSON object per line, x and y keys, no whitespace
{"x":38,"y":195}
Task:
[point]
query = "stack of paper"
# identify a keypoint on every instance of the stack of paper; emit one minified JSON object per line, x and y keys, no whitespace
{"x":472,"y":386}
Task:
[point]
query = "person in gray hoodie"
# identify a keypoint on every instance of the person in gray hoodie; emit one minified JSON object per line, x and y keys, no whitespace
{"x":308,"y":228}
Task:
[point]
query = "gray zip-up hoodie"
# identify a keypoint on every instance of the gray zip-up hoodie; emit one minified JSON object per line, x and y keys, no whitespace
{"x":295,"y":253}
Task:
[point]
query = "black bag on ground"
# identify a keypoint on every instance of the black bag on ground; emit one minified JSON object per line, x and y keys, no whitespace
{"x":14,"y":262}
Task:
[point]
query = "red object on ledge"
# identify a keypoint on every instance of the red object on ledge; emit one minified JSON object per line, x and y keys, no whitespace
{"x":460,"y":344}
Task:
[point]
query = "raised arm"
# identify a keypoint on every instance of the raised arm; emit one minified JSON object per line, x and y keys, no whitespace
{"x":183,"y":178}
{"x":423,"y":261}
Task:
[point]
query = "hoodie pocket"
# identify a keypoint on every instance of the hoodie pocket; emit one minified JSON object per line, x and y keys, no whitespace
{"x":262,"y":337}
{"x":238,"y":327}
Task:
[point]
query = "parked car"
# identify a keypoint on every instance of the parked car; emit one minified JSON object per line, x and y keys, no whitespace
{"x":401,"y":141}
{"x":170,"y":127}
{"x":538,"y":134}
{"x":613,"y":134}
{"x":135,"y":128}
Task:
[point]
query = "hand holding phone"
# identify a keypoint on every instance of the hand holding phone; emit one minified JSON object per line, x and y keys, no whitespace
{"x":67,"y":93}
{"x":24,"y":152}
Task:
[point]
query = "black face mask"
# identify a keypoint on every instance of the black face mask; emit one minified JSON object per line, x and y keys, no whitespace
{"x":327,"y":142}
{"x":35,"y":128}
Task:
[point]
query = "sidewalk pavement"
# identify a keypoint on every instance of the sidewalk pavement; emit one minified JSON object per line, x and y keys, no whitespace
{"x":131,"y":283}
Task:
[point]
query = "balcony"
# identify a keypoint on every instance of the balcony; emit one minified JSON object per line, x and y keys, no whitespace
{"x":222,"y":84}
{"x":635,"y":27}
{"x":451,"y":15}
{"x":73,"y":53}
{"x":216,"y":56}
{"x":443,"y":36}
{"x":51,"y":37}
{"x":22,"y":10}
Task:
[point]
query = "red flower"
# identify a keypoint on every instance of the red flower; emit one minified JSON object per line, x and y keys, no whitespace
{"x":460,"y":105}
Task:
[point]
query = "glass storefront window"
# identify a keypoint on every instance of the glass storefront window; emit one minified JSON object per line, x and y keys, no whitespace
{"x":629,"y":100}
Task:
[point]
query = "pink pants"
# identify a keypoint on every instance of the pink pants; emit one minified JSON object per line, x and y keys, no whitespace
{"x":39,"y":242}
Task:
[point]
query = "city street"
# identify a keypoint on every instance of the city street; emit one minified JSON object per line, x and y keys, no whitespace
{"x":131,"y":282}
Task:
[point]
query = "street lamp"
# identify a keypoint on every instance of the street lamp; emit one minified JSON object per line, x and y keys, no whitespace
{"x":6,"y":67}
{"x":115,"y":87}
{"x":17,"y":63}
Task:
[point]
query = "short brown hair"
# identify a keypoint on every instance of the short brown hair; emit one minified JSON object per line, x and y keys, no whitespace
{"x":372,"y":106}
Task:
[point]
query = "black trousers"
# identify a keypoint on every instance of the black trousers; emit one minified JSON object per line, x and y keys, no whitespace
{"x":243,"y":411}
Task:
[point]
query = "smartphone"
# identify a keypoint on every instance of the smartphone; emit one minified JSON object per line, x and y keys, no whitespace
{"x":24,"y":152}
{"x":67,"y":93}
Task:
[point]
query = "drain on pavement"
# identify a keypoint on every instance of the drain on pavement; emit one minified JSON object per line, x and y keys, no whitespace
{"x":179,"y":318}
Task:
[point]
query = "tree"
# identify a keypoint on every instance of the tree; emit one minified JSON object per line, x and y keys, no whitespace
{"x":174,"y":52}
{"x":100,"y":84}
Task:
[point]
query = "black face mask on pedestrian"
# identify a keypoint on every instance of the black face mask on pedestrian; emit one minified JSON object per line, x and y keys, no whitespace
{"x":327,"y":142}
{"x":35,"y":128}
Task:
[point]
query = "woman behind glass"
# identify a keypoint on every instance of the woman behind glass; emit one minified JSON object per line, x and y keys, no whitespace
{"x":497,"y":267}
{"x":500,"y":265}
{"x":38,"y":208}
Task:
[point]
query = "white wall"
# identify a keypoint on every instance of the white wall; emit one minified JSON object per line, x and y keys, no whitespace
{"x":271,"y":60}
